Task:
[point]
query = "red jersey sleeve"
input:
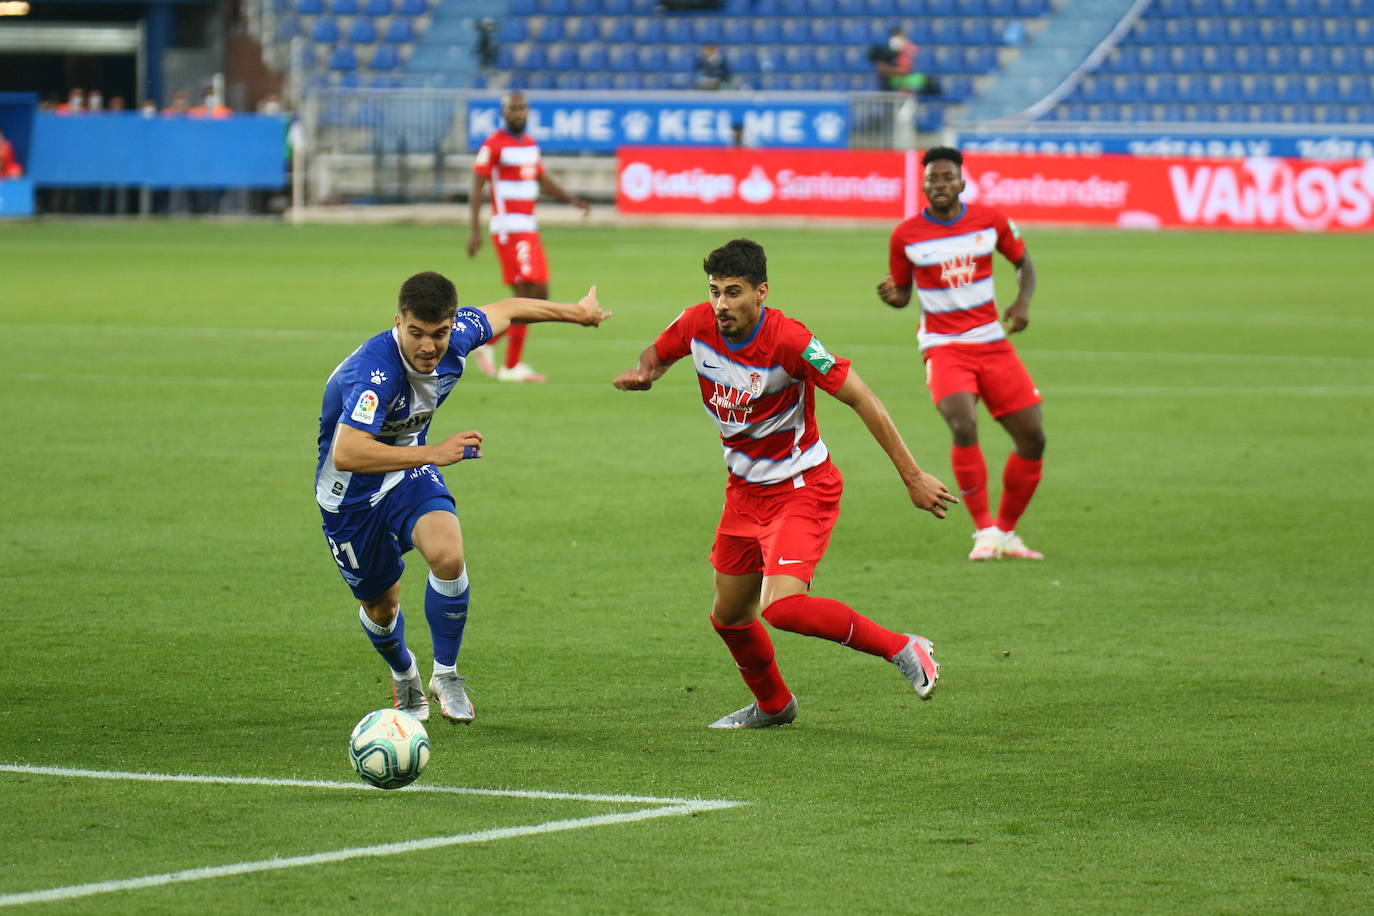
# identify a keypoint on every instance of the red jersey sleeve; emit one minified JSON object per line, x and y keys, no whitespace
{"x":1009,"y":240}
{"x":803,"y":356}
{"x":898,"y":264}
{"x":485,"y":160}
{"x":676,"y":340}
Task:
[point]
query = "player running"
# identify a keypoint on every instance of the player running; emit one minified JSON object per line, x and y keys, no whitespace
{"x":377,"y":483}
{"x":509,"y":159}
{"x":946,"y":251}
{"x":758,"y":371}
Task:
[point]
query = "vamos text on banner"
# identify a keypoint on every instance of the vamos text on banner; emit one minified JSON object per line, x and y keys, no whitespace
{"x":1258,"y":193}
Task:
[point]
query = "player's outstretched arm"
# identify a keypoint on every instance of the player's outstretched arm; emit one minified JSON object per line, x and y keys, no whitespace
{"x":894,"y":295}
{"x":926,"y":490}
{"x":642,"y":377}
{"x":587,"y":311}
{"x":555,"y":190}
{"x":361,"y":453}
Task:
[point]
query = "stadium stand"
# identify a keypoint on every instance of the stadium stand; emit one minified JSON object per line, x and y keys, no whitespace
{"x":1238,"y":62}
{"x":1225,"y":61}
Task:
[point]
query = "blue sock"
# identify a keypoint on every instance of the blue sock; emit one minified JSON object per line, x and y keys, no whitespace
{"x":390,"y":642}
{"x":446,"y":609}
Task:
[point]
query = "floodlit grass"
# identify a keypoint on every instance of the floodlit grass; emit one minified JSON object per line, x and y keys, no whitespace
{"x":1171,"y":713}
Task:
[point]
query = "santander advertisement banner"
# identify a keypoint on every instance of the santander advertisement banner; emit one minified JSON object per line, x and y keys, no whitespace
{"x":1261,"y":193}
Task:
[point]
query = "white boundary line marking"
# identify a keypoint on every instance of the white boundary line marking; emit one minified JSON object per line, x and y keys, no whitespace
{"x":668,"y":807}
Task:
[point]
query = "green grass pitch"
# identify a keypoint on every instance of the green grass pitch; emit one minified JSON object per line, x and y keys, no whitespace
{"x":1169,"y":714}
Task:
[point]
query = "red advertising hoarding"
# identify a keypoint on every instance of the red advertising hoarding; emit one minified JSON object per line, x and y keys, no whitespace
{"x":1112,"y":190}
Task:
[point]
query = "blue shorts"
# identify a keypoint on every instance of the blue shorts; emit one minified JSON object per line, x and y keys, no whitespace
{"x":368,"y":543}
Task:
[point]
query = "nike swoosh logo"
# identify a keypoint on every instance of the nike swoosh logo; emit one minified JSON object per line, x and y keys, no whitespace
{"x":789,"y":562}
{"x":708,"y":365}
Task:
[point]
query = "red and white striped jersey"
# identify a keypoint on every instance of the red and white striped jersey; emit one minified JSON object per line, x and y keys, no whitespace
{"x":951,"y":266}
{"x":513,"y":166}
{"x":760,"y":393}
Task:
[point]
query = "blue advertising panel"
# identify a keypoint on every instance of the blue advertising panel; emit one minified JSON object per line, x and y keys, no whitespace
{"x":16,"y":197}
{"x":1189,"y":144}
{"x":600,"y":124}
{"x":243,"y":151}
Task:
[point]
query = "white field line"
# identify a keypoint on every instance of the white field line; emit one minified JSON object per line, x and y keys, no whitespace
{"x":668,"y":807}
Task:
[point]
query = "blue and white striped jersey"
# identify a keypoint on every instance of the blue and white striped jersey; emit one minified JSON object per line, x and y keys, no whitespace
{"x":377,"y":391}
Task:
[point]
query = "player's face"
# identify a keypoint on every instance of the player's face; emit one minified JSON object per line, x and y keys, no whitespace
{"x":738,"y":304}
{"x":516,"y":112}
{"x":944,"y":183}
{"x":423,"y":344}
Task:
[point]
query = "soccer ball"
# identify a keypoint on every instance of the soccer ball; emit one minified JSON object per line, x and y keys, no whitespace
{"x":389,"y":748}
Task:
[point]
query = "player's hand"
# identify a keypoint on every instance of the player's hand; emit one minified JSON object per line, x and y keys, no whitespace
{"x":582,"y":205}
{"x":590,"y":313}
{"x":474,"y":243}
{"x":1017,"y":316}
{"x":887,"y":291}
{"x":456,"y":448}
{"x":635,"y":379}
{"x":928,"y":493}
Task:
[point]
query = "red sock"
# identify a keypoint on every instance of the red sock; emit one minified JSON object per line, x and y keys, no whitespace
{"x":835,"y":621}
{"x":971,"y":474}
{"x":1019,"y":480}
{"x":515,"y":344}
{"x":753,"y":654}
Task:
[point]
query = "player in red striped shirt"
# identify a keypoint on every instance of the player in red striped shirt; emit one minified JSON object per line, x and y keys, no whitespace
{"x":758,"y":371}
{"x":945,"y":251}
{"x":510,"y":163}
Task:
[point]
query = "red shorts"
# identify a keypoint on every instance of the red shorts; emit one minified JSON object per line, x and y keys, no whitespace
{"x":522,"y":258}
{"x":992,"y":371}
{"x":783,"y":530}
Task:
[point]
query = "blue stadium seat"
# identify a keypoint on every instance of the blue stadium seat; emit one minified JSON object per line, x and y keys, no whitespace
{"x":615,"y":7}
{"x":797,"y":29}
{"x":400,"y":31}
{"x":587,"y":28}
{"x":377,"y":7}
{"x":553,"y":28}
{"x":623,"y":58}
{"x":536,"y":58}
{"x":594,"y":57}
{"x":553,"y":7}
{"x":584,"y":7}
{"x":628,"y":82}
{"x":362,"y":31}
{"x":678,"y":30}
{"x":622,"y":30}
{"x":412,"y":7}
{"x":524,"y":7}
{"x":309,"y":7}
{"x":821,"y":8}
{"x":325,"y":30}
{"x":649,"y":30}
{"x":735,"y":31}
{"x":1225,"y":88}
{"x":800,"y":59}
{"x":766,"y":30}
{"x":288,"y":27}
{"x":512,"y":29}
{"x":343,"y":7}
{"x":829,"y":59}
{"x":563,"y":57}
{"x":597,"y":81}
{"x":384,"y":58}
{"x":744,"y":60}
{"x":343,"y":59}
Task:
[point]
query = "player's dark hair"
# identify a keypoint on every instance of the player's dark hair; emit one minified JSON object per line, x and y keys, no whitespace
{"x":738,"y":258}
{"x":947,"y":153}
{"x":428,"y":296}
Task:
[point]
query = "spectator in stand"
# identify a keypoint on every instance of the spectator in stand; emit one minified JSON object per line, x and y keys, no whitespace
{"x":95,"y":101}
{"x":117,"y":104}
{"x":896,"y":65}
{"x":148,"y":109}
{"x":9,"y":166}
{"x":270,"y":105}
{"x":75,"y":104}
{"x":179,"y":106}
{"x":210,"y":107}
{"x":711,"y":70}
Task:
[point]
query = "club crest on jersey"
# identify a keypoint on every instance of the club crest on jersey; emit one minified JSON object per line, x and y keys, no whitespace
{"x":732,"y":405}
{"x":816,"y":354}
{"x":755,"y":384}
{"x":958,"y":271}
{"x":378,"y":376}
{"x":366,"y":408}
